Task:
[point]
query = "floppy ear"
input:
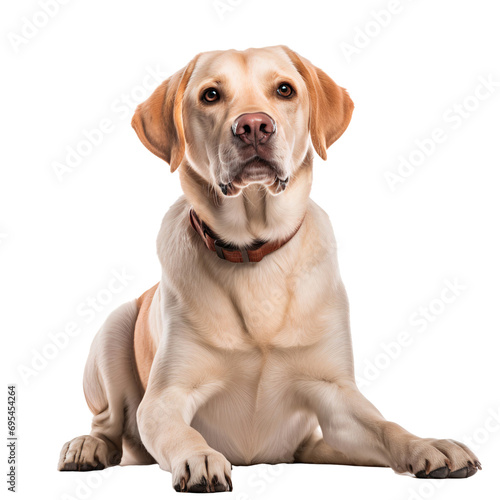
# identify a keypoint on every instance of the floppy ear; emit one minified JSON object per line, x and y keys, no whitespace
{"x":158,"y":120}
{"x":330,"y":105}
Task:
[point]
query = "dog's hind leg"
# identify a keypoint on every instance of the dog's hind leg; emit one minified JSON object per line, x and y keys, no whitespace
{"x":113,"y":394}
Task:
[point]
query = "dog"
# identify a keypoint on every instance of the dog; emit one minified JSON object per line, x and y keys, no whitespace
{"x":242,"y":353}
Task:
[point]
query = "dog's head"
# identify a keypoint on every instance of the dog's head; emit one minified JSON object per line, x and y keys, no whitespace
{"x":241,"y":118}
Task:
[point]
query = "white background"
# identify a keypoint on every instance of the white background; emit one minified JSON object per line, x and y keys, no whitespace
{"x":61,"y":240}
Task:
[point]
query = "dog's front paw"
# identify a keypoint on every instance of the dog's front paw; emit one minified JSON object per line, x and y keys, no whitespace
{"x":439,"y":459}
{"x":202,"y":473}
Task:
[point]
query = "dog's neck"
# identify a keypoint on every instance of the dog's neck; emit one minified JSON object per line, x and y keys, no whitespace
{"x":254,"y":215}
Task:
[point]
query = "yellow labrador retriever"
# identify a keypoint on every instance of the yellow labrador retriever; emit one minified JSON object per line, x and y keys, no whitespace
{"x":242,"y":353}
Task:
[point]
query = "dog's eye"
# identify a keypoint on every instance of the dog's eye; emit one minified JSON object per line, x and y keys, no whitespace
{"x":285,"y":90}
{"x":211,"y":95}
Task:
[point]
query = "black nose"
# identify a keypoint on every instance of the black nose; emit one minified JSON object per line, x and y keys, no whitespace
{"x":254,"y":128}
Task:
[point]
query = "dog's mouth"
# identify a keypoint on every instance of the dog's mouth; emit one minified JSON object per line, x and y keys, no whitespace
{"x":256,"y":170}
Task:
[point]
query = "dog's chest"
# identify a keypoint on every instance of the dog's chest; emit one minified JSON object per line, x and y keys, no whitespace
{"x":256,"y":418}
{"x":265,"y":310}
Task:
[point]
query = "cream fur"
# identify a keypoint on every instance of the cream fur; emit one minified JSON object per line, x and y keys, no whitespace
{"x":253,"y":362}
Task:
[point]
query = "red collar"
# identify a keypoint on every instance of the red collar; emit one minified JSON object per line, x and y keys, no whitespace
{"x":254,"y":253}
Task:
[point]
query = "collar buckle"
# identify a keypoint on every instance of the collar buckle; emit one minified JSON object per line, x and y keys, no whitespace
{"x":218,"y":249}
